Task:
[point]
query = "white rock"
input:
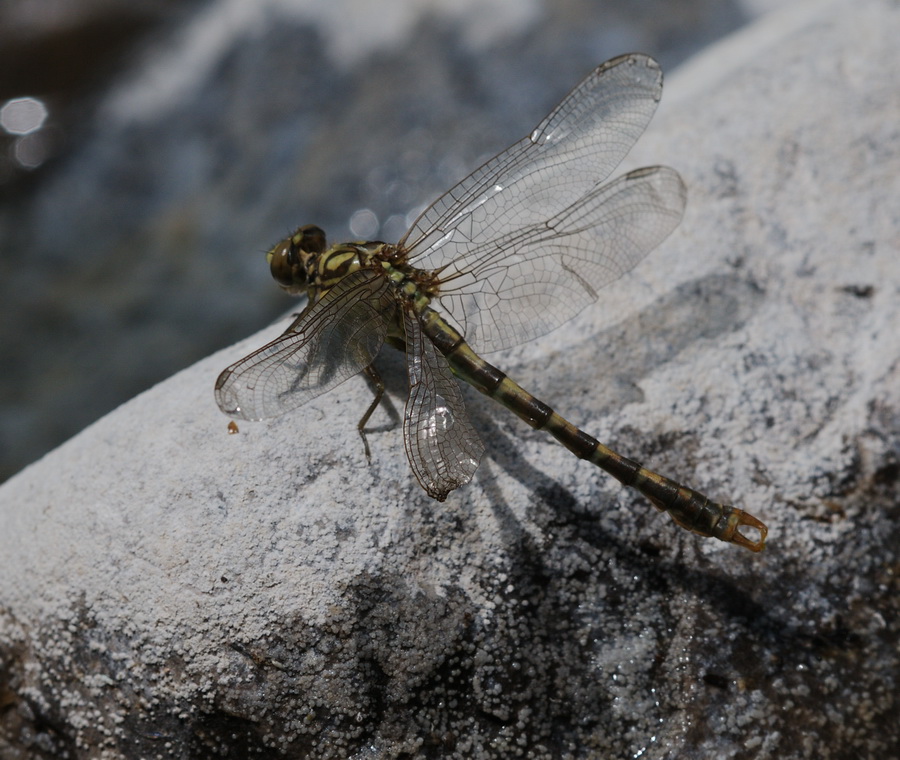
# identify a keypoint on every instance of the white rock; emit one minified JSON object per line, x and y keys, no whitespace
{"x":169,"y":588}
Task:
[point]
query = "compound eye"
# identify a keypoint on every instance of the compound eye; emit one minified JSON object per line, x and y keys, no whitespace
{"x":312,"y":238}
{"x":286,"y":267}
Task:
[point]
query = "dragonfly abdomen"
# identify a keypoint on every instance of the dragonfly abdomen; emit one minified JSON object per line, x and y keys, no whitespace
{"x":688,"y":508}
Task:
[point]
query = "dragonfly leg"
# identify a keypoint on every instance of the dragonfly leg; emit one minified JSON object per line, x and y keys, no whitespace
{"x":377,"y":386}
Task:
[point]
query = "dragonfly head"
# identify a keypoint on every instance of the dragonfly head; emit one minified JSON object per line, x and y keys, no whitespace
{"x":292,"y":259}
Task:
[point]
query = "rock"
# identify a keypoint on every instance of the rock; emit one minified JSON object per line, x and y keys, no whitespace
{"x":171,"y":590}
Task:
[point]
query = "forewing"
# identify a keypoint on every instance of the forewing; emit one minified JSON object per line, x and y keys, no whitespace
{"x":442,"y":446}
{"x":576,"y":146}
{"x":331,"y":341}
{"x":518,"y":287}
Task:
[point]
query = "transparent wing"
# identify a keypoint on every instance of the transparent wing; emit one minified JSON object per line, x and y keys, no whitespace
{"x":571,"y":150}
{"x":442,"y":446}
{"x":530,"y":281}
{"x":328,"y":343}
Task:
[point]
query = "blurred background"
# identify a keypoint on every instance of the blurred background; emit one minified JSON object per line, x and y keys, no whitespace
{"x":150,"y":152}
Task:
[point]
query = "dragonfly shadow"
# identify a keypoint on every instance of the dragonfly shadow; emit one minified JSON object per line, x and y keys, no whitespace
{"x":701,"y":309}
{"x":697,"y":310}
{"x":580,"y":565}
{"x":573,"y":528}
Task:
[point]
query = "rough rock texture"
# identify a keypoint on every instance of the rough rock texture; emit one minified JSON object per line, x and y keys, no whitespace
{"x":169,"y":590}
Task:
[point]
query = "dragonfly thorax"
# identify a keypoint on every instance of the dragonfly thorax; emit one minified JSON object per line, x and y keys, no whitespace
{"x":345,"y":258}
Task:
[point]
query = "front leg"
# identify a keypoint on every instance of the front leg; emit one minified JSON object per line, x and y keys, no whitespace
{"x":377,"y":386}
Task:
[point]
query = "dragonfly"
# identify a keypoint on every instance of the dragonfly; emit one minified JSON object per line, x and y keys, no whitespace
{"x":514,"y":250}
